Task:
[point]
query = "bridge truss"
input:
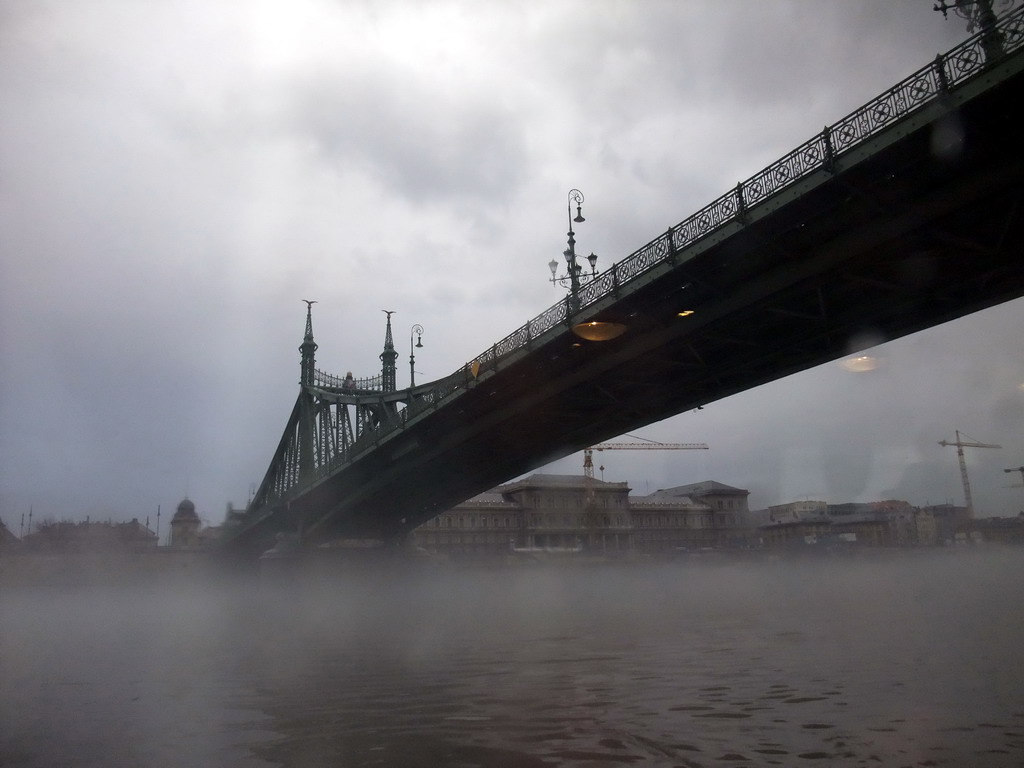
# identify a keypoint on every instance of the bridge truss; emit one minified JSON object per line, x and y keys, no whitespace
{"x":861,"y":225}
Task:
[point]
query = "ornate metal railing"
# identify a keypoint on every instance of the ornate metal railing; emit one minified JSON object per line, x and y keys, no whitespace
{"x":928,"y":85}
{"x":330,"y":381}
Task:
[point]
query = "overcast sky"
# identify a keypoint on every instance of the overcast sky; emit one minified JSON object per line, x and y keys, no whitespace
{"x":175,"y":177}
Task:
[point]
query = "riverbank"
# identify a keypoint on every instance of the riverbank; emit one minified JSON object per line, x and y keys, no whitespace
{"x":79,"y":569}
{"x":101,"y":568}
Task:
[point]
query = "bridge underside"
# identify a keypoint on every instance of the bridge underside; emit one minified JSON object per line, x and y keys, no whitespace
{"x":916,"y":230}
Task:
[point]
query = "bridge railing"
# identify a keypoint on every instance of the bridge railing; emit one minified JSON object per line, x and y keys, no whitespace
{"x":925,"y":86}
{"x":330,"y":381}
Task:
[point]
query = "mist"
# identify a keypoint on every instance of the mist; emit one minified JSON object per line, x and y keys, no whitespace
{"x":879,"y":657}
{"x":177,"y":178}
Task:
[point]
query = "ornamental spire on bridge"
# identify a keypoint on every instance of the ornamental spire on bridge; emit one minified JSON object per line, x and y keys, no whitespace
{"x":388,"y":356}
{"x":308,"y":347}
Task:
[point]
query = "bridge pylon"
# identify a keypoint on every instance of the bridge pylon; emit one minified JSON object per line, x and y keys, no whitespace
{"x":333,"y":417}
{"x":389,"y":356}
{"x":306,"y":404}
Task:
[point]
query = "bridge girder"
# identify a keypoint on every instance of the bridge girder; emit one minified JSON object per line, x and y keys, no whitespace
{"x":888,"y":238}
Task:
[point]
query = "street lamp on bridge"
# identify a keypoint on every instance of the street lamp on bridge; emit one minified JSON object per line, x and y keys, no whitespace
{"x":416,"y":330}
{"x":979,"y":14}
{"x":596,"y":329}
{"x":574,"y":275}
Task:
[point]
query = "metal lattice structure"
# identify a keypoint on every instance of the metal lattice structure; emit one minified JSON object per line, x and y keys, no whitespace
{"x":330,"y":416}
{"x":335,"y":422}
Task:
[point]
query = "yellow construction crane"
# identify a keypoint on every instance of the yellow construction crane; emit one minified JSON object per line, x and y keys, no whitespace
{"x":960,"y":445}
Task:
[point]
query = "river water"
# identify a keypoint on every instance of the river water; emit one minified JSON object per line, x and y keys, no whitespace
{"x":901,"y":659}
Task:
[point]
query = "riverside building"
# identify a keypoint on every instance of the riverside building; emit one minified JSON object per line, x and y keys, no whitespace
{"x":575,"y":513}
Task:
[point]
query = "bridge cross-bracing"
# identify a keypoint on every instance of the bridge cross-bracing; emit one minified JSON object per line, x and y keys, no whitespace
{"x":904,"y":214}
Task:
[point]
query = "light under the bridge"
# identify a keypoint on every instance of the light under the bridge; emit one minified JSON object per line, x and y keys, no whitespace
{"x":598,"y":330}
{"x":861,"y":364}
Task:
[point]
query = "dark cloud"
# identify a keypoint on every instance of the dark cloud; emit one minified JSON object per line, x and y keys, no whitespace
{"x":173,"y":186}
{"x":409,"y":134}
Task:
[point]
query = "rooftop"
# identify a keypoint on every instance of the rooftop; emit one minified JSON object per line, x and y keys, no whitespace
{"x":541,"y":480}
{"x":704,"y":488}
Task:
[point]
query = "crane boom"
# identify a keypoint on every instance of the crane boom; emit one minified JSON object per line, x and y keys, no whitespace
{"x":960,"y":445}
{"x":588,"y":471}
{"x":649,"y":447}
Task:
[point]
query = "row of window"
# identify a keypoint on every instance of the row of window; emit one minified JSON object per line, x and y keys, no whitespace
{"x":542,"y":520}
{"x":562,"y":500}
{"x":433,"y":539}
{"x":471,"y":521}
{"x":499,"y":541}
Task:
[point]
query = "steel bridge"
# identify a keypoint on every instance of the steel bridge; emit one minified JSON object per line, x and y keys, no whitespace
{"x":905,"y":214}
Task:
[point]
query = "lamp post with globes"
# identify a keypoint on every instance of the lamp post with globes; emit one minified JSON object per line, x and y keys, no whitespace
{"x":574,"y":275}
{"x":417,"y":331}
{"x":979,"y":14}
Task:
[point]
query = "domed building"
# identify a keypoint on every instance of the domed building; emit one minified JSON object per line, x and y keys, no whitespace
{"x":185,"y":526}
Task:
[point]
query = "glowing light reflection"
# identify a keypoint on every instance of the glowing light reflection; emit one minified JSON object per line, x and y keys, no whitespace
{"x":861,"y":363}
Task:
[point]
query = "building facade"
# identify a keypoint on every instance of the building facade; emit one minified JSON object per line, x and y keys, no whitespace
{"x":185,"y":526}
{"x":795,"y":511}
{"x":88,"y":536}
{"x":574,"y":513}
{"x":948,"y":520}
{"x":726,"y":522}
{"x":882,"y":523}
